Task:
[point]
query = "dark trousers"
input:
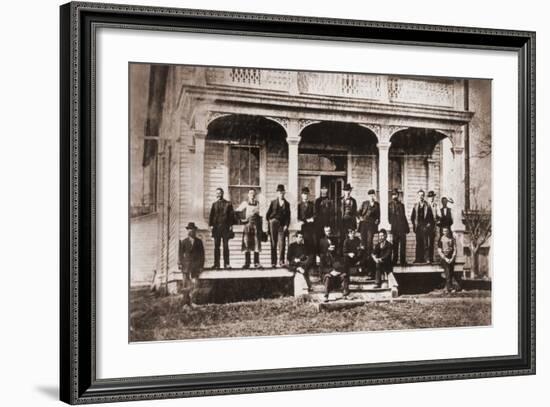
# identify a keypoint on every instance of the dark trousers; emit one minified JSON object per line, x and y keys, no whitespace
{"x":309,"y":238}
{"x":367,"y":238}
{"x":277,"y":236}
{"x":330,"y":282}
{"x":399,"y":248}
{"x":190,"y":289}
{"x":449,"y":269}
{"x":351,"y":262}
{"x":421,"y":244}
{"x":247,"y":258}
{"x":430,"y":239}
{"x":381,"y":268}
{"x":217,"y":242}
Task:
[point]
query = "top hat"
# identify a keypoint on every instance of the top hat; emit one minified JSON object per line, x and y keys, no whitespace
{"x":395,"y":191}
{"x":305,"y":190}
{"x":372,"y":192}
{"x":431,"y":193}
{"x":347,"y":187}
{"x":191,"y":225}
{"x":280,"y":188}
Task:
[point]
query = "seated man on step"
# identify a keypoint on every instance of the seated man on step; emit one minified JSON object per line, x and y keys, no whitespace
{"x":299,"y":258}
{"x":332,"y":265}
{"x":382,"y":256}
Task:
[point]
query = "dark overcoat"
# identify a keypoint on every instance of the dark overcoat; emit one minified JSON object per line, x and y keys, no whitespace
{"x":191,"y":256}
{"x":221,"y":218}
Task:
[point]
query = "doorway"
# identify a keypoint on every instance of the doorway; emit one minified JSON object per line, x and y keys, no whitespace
{"x":335,"y":184}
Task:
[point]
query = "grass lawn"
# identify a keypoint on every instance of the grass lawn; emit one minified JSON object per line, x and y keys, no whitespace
{"x":165,"y":318}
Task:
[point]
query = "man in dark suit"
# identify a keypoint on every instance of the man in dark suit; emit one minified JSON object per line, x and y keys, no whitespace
{"x":299,"y":259}
{"x":191,"y":258}
{"x":306,"y":215}
{"x":431,"y":229}
{"x":221,"y":221}
{"x":445,"y":216}
{"x":324,"y":212}
{"x":399,"y":228}
{"x":348,"y":211}
{"x":278,"y":218}
{"x":352,"y":251}
{"x":369,"y":214}
{"x":381,"y":255}
{"x":421,"y":218}
{"x":332,"y":266}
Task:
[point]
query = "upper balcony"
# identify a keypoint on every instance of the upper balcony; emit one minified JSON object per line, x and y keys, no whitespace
{"x":420,"y":91}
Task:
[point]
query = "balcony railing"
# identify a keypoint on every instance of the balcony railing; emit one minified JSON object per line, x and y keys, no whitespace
{"x":382,"y":88}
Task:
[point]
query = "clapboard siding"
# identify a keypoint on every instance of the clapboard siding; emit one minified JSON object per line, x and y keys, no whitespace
{"x":215,"y":170}
{"x":362,"y":169}
{"x":143,"y":249}
{"x":277,"y":167}
{"x":185,"y":187}
{"x":174,"y":223}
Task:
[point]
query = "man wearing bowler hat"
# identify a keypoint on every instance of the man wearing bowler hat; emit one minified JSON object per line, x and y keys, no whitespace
{"x":191,"y":260}
{"x":369,"y":214}
{"x":349,"y":211}
{"x":278,"y":219}
{"x":421,"y":219}
{"x":399,"y":228}
{"x":306,"y":215}
{"x":431,"y":229}
{"x":324,"y":212}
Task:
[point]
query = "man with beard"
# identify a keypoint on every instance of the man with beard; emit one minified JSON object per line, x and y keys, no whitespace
{"x":399,"y":228}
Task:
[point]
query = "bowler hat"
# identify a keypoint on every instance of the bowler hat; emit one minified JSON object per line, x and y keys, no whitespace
{"x":431,"y":193}
{"x":281,"y":188}
{"x":305,"y":190}
{"x":191,"y":225}
{"x":347,"y":187}
{"x":372,"y":192}
{"x":395,"y":191}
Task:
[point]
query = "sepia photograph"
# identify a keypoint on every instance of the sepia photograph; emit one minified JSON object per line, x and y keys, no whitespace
{"x":271,"y":202}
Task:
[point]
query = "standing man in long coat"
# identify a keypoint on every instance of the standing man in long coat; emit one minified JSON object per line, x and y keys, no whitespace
{"x":278,"y":218}
{"x":221,"y":221}
{"x":191,"y":259}
{"x":445,"y":219}
{"x":431,"y":229}
{"x":349,"y":212}
{"x":369,"y":214}
{"x":324,"y":212}
{"x":306,"y":215}
{"x":399,"y":228}
{"x":421,"y":218}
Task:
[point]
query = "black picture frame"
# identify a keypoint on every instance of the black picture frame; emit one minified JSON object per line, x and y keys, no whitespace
{"x":78,"y":382}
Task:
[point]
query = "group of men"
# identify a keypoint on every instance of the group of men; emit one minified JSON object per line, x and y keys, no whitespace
{"x":317,"y":237}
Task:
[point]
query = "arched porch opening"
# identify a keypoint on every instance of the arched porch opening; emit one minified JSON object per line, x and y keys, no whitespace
{"x":417,"y":158}
{"x":242,"y":152}
{"x":336,"y":153}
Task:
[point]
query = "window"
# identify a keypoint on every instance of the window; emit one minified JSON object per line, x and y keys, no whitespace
{"x":244,"y":172}
{"x":321,"y":160}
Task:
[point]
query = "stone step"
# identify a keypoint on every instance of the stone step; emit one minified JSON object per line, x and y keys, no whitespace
{"x":358,"y":288}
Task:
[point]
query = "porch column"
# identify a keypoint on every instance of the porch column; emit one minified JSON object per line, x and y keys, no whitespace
{"x":293,"y":193}
{"x":197,"y":179}
{"x":383,"y":184}
{"x":460,"y":192}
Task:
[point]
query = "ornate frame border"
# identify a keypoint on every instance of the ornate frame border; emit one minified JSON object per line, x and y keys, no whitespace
{"x":78,"y":382}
